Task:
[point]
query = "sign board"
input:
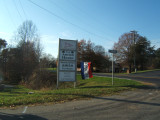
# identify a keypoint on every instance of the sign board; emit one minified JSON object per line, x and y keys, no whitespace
{"x":67,"y":55}
{"x":67,"y":65}
{"x":68,"y":44}
{"x":67,"y":61}
{"x":112,"y":51}
{"x":67,"y":76}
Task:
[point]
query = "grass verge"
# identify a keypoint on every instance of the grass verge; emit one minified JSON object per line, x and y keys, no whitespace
{"x":96,"y":86}
{"x":145,"y":71}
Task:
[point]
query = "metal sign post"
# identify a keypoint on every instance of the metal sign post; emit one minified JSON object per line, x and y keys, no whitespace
{"x":113,"y":52}
{"x":112,"y":68}
{"x":67,"y":61}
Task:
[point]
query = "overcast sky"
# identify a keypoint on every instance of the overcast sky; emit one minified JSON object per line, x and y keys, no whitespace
{"x":101,"y":21}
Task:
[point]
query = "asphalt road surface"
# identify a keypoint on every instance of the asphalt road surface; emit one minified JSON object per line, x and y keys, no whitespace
{"x":150,"y":77}
{"x":141,"y":104}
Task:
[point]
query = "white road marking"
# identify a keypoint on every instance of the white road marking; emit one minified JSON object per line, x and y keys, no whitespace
{"x":25,"y":109}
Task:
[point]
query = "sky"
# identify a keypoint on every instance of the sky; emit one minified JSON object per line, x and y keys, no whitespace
{"x":101,"y":21}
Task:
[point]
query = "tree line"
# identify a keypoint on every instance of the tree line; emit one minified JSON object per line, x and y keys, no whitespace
{"x":96,"y":54}
{"x":26,"y":64}
{"x":135,"y":51}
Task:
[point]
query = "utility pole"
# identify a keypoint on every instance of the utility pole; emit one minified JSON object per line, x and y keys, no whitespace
{"x":134,"y":39}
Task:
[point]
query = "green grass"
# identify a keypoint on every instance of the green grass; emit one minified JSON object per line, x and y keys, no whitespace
{"x":139,"y":71}
{"x":51,"y":69}
{"x":146,"y":71}
{"x":96,"y":86}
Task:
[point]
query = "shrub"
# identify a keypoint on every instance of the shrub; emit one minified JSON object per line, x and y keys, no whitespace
{"x":41,"y":79}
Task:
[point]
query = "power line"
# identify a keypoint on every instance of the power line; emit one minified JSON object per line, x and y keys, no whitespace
{"x":87,"y":14}
{"x":17,"y":10}
{"x":50,"y":12}
{"x":76,"y":16}
{"x":10,"y":16}
{"x":23,"y":9}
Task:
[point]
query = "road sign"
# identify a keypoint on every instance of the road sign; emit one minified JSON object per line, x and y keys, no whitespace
{"x":67,"y":65}
{"x":68,"y":44}
{"x":67,"y":61}
{"x":67,"y":55}
{"x":67,"y":76}
{"x":112,"y":51}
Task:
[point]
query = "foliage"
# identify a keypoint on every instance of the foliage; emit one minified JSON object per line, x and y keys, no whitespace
{"x":42,"y":78}
{"x":20,"y":62}
{"x":47,"y":61}
{"x":125,"y":48}
{"x":144,"y":53}
{"x":12,"y":65}
{"x":3,"y":43}
{"x":88,"y":52}
{"x":132,"y":48}
{"x":156,"y":61}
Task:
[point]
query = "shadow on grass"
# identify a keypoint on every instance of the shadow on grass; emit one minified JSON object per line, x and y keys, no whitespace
{"x":113,"y":99}
{"x":142,"y":87}
{"x":4,"y":116}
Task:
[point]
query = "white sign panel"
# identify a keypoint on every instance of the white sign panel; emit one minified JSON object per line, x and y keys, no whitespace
{"x":67,"y":65}
{"x":68,"y":44}
{"x":66,"y":76}
{"x":67,"y":60}
{"x":67,"y":55}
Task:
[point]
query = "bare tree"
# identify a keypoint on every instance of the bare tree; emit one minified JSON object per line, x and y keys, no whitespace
{"x":22,"y":60}
{"x":29,"y":44}
{"x":125,"y":49}
{"x":98,"y":49}
{"x":130,"y":47}
{"x":47,"y":61}
{"x":27,"y":32}
{"x":88,"y":52}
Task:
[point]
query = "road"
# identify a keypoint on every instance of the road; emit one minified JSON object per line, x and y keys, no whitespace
{"x":141,"y":104}
{"x":150,"y":77}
